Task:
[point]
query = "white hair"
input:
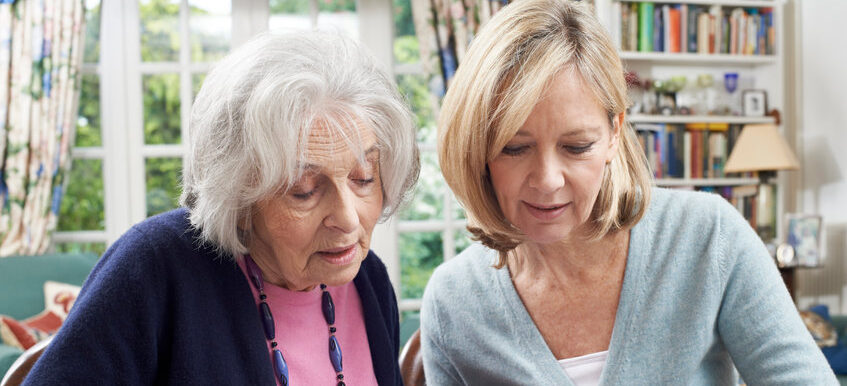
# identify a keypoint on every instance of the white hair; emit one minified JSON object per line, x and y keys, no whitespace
{"x":251,"y":120}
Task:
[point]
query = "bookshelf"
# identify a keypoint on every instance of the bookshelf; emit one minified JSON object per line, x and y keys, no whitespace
{"x":734,"y":120}
{"x":758,"y":63}
{"x":680,"y":58}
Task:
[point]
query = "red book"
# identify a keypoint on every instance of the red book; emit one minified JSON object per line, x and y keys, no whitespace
{"x":674,"y":29}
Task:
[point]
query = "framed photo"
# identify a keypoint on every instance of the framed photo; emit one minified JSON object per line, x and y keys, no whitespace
{"x":754,"y":103}
{"x":804,"y":235}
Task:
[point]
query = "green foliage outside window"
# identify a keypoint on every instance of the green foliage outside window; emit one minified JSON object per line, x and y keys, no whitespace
{"x":301,"y":7}
{"x":163,"y":181}
{"x":82,"y":204}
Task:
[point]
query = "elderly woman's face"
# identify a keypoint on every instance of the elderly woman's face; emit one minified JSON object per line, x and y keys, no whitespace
{"x":320,"y":230}
{"x":548,"y":175}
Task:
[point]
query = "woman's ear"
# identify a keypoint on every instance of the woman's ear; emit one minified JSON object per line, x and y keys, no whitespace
{"x":615,"y":138}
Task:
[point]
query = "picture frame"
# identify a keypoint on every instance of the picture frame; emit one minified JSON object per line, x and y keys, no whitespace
{"x":754,"y":103}
{"x":804,"y":235}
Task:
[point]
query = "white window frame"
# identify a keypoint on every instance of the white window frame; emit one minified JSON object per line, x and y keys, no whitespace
{"x":123,"y":152}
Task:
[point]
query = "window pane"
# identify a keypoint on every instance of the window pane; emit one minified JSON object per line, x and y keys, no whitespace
{"x":462,"y":240}
{"x":414,"y":88}
{"x":287,"y":15}
{"x":420,"y":253}
{"x":428,"y":202}
{"x":161,"y":109}
{"x":339,"y":15}
{"x":92,"y":32}
{"x":211,"y":29}
{"x":95,"y":248}
{"x":405,"y":40}
{"x":159,"y":30}
{"x":88,"y":121}
{"x":196,"y":83}
{"x":82,"y":203}
{"x":162,"y":184}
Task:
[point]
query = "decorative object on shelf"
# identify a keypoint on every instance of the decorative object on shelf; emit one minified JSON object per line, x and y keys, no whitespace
{"x":754,"y":103}
{"x":803,"y":234}
{"x":761,"y":148}
{"x":636,"y":90}
{"x":705,"y":95}
{"x":785,"y":256}
{"x":729,"y":104}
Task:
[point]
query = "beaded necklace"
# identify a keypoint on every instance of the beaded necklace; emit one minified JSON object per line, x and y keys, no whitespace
{"x":328,"y":308}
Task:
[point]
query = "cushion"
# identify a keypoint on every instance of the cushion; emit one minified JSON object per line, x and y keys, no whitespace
{"x":19,"y":334}
{"x":59,"y":297}
{"x":835,"y":354}
{"x":821,"y":329}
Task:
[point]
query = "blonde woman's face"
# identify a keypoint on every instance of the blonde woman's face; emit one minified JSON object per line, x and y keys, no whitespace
{"x":320,"y":230}
{"x":549,"y":174}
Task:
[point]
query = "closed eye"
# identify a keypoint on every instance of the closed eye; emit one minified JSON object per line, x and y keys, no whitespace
{"x":363,"y":181}
{"x":514,"y":150}
{"x":305,"y":195}
{"x":579,"y":149}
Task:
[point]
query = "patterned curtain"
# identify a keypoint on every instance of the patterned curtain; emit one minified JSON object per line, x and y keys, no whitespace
{"x":40,"y":58}
{"x":444,"y":28}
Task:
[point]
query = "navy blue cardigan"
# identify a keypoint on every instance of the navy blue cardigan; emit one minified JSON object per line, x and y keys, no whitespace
{"x":159,"y":308}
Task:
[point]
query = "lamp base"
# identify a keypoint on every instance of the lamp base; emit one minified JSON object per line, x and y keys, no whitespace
{"x":766,"y":212}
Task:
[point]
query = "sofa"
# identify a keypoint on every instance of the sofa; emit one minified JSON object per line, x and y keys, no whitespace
{"x":21,"y":287}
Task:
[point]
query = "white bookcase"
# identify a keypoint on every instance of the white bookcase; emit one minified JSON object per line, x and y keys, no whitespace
{"x":755,"y":72}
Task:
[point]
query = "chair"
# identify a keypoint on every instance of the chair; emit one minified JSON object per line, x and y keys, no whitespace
{"x":21,"y":367}
{"x":411,"y":362}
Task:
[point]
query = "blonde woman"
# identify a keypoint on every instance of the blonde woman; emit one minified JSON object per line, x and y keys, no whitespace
{"x":585,"y":274}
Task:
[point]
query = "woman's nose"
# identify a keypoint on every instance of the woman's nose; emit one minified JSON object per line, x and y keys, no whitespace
{"x":546,"y":176}
{"x":343,"y":214}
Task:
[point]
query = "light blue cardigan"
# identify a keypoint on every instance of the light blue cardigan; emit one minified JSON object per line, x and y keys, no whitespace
{"x":700,"y":293}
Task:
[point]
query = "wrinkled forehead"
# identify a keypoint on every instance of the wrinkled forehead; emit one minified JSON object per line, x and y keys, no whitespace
{"x":334,"y":144}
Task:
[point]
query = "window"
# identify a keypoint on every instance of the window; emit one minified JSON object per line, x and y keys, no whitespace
{"x":431,"y":229}
{"x":136,"y":99}
{"x":82,"y":217}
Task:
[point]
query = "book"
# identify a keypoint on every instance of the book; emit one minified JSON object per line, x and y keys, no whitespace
{"x":691,"y":38}
{"x":645,"y":27}
{"x":673,"y":30}
{"x":703,"y":29}
{"x":658,"y":30}
{"x":683,"y":28}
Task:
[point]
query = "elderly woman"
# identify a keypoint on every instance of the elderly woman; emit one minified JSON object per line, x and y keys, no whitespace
{"x":299,"y":145}
{"x":596,"y":277}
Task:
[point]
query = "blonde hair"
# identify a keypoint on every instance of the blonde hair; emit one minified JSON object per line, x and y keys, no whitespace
{"x":504,"y":74}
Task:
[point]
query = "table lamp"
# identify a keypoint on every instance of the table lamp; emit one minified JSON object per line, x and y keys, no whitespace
{"x":761,"y":148}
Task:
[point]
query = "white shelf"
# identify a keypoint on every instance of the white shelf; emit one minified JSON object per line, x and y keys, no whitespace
{"x":705,"y":181}
{"x":641,"y":118}
{"x":723,"y":3}
{"x":691,"y":58}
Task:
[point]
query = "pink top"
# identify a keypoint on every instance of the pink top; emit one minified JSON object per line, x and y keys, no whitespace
{"x":303,"y":335}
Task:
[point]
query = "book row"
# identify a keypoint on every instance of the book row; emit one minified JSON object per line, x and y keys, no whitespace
{"x":689,"y":28}
{"x":694,"y":150}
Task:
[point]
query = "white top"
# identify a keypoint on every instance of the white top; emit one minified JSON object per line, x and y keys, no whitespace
{"x":585,"y":370}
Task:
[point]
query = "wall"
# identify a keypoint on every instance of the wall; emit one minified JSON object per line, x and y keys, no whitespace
{"x":822,"y":142}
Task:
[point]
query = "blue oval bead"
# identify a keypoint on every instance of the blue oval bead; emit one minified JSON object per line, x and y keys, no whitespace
{"x":328,"y":308}
{"x":254,"y":272}
{"x":281,"y":368}
{"x":267,"y":320}
{"x":335,"y":353}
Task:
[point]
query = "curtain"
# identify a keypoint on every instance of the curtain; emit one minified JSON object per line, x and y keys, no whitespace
{"x":40,"y":57}
{"x":444,"y":29}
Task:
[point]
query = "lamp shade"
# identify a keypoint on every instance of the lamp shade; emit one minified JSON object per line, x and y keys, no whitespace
{"x":760,"y":147}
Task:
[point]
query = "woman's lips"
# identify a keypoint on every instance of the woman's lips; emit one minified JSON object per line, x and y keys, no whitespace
{"x":545,"y":212}
{"x":340,"y":255}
